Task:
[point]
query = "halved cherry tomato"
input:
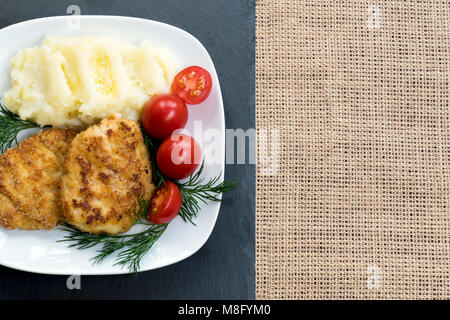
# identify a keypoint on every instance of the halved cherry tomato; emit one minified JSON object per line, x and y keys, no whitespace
{"x":166,"y":203}
{"x":178,"y":156}
{"x":163,"y":114}
{"x":192,"y":84}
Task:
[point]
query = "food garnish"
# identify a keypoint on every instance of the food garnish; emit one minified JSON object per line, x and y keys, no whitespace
{"x":10,"y":126}
{"x":196,"y":191}
{"x":164,"y":114}
{"x":166,"y":203}
{"x":192,"y":84}
{"x":152,"y":146}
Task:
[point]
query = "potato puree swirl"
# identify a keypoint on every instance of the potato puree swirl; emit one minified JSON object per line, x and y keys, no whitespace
{"x":71,"y":82}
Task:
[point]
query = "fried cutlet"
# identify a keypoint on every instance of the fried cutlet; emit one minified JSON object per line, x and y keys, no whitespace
{"x":12,"y":218}
{"x":29,"y":181}
{"x":106,"y":169}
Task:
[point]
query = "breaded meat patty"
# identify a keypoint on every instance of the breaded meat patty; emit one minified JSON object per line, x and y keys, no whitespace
{"x":29,"y":181}
{"x":12,"y":218}
{"x":106,"y":169}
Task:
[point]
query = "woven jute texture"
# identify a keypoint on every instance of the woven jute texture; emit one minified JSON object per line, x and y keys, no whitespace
{"x":359,"y":207}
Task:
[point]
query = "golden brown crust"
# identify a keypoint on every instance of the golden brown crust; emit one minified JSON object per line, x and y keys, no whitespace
{"x":11,"y":218}
{"x":29,"y":180}
{"x":106,"y":169}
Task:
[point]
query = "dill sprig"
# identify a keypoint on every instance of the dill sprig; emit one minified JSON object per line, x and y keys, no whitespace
{"x":196,"y":191}
{"x":152,"y":145}
{"x":130,"y":248}
{"x":10,"y":126}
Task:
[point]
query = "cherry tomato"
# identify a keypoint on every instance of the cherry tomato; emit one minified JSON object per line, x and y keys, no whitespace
{"x":164,"y":114}
{"x":192,"y":84}
{"x":166,"y":203}
{"x":178,"y":156}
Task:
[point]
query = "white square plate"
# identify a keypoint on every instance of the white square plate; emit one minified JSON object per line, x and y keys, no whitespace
{"x":38,"y":251}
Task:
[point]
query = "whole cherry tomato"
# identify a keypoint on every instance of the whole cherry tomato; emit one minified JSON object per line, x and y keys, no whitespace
{"x":178,"y":156}
{"x":164,"y":114}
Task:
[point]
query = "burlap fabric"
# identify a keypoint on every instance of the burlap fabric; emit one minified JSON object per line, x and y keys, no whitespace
{"x":360,"y":205}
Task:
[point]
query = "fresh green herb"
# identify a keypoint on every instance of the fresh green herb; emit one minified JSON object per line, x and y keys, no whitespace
{"x":196,"y":190}
{"x":130,"y":248}
{"x":152,"y":145}
{"x":10,"y":126}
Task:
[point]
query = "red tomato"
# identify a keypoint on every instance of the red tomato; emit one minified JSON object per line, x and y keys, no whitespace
{"x":178,"y":156}
{"x":166,"y":203}
{"x":192,"y":84}
{"x":164,"y":114}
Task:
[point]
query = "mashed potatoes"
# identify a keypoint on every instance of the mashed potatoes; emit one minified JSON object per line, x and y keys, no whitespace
{"x":74,"y":82}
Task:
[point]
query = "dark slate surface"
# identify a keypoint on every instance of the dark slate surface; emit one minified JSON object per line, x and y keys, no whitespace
{"x":224,"y":267}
